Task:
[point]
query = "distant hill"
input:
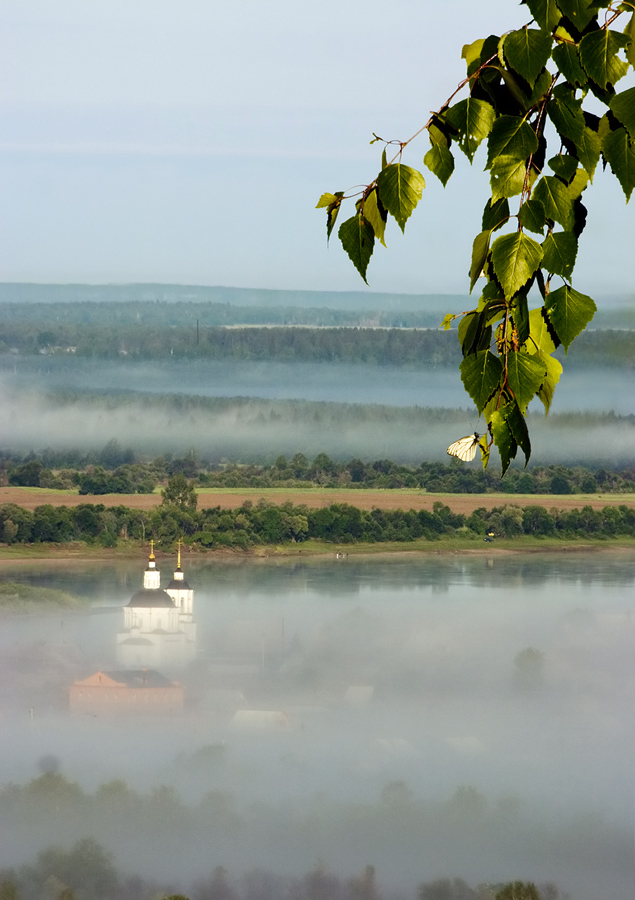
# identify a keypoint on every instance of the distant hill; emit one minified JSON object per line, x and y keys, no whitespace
{"x":256,"y":306}
{"x":18,"y":292}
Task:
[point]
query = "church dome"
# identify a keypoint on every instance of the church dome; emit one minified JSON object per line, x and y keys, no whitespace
{"x":181,"y":585}
{"x":151,"y":598}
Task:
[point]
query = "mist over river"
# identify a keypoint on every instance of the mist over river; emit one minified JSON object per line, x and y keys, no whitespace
{"x":581,"y":388}
{"x":255,"y":411}
{"x":444,"y":716}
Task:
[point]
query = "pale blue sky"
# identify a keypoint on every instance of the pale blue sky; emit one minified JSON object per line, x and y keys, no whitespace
{"x":188,"y":141}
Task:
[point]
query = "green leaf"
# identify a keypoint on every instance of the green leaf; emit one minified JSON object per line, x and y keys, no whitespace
{"x":480,"y":374}
{"x":598,"y":55}
{"x":332,"y":202}
{"x":438,"y":132}
{"x":384,"y":158}
{"x":510,"y":136}
{"x":577,"y":12}
{"x":507,"y":177}
{"x":569,"y":120}
{"x":358,"y":239}
{"x":567,"y":58}
{"x":548,"y":386}
{"x":623,"y":108}
{"x":559,"y":253}
{"x":495,"y":215}
{"x":532,"y":216}
{"x":515,"y":258}
{"x":474,"y":332}
{"x":375,"y":213}
{"x":518,"y":425}
{"x":545,"y":12}
{"x":619,"y":151}
{"x":511,"y":82}
{"x":578,"y":184}
{"x":540,"y":340}
{"x":569,"y":313}
{"x":520,"y":317}
{"x":540,"y":90}
{"x":525,"y":374}
{"x":472,"y":52}
{"x":440,"y":162}
{"x":588,"y":148}
{"x":564,"y":166}
{"x":527,"y":51}
{"x":480,"y":249}
{"x":473,"y":119}
{"x":629,"y":31}
{"x":483,"y":446}
{"x":448,"y":318}
{"x":400,"y":188}
{"x":555,"y":198}
{"x":567,"y":117}
{"x":503,"y":438}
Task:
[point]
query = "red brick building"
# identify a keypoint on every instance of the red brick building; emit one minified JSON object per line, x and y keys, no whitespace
{"x":141,"y":692}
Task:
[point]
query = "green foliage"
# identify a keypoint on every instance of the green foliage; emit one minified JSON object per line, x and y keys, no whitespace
{"x":358,"y":239}
{"x":180,"y":493}
{"x":543,"y":71}
{"x":518,"y":890}
{"x":400,"y":189}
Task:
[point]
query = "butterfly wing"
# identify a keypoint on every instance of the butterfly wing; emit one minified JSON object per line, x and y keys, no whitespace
{"x":465,"y":448}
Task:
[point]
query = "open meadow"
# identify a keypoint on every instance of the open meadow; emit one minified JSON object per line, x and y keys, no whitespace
{"x":317,"y":497}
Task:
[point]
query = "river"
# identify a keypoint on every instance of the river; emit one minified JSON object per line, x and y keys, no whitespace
{"x":476,"y":711}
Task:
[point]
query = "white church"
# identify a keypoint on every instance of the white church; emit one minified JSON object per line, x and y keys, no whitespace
{"x":159,"y":629}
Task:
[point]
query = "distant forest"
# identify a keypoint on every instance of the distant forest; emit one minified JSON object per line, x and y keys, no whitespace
{"x":151,"y":331}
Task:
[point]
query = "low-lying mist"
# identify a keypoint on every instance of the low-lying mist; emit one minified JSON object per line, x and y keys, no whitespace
{"x":580,"y":389}
{"x":251,"y":429}
{"x":444,"y":717}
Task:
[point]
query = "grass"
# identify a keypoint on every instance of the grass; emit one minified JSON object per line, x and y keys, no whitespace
{"x":313,"y":548}
{"x":20,"y":598}
{"x":521,"y":544}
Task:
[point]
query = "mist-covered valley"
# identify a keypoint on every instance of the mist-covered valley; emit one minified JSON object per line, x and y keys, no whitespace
{"x":436,"y":717}
{"x":253,"y":411}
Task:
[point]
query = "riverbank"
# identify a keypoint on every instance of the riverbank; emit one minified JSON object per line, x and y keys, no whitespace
{"x":77,"y":551}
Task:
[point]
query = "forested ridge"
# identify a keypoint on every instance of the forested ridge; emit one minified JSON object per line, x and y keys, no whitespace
{"x":143,"y":337}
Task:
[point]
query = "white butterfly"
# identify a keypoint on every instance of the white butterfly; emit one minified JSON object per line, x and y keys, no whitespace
{"x":465,"y":448}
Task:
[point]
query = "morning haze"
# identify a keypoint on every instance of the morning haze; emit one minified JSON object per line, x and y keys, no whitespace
{"x":341,"y":726}
{"x":461,"y":717}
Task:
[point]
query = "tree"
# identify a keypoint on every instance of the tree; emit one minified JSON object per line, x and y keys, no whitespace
{"x":518,"y":890}
{"x":180,"y":492}
{"x":525,"y":89}
{"x":86,"y":869}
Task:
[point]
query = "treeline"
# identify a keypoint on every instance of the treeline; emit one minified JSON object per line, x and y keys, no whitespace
{"x":264,"y":523}
{"x":115,"y":813}
{"x":145,"y":339}
{"x":126,"y":479}
{"x":187,"y":314}
{"x":116,"y":470}
{"x":371,"y":346}
{"x":451,"y":478}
